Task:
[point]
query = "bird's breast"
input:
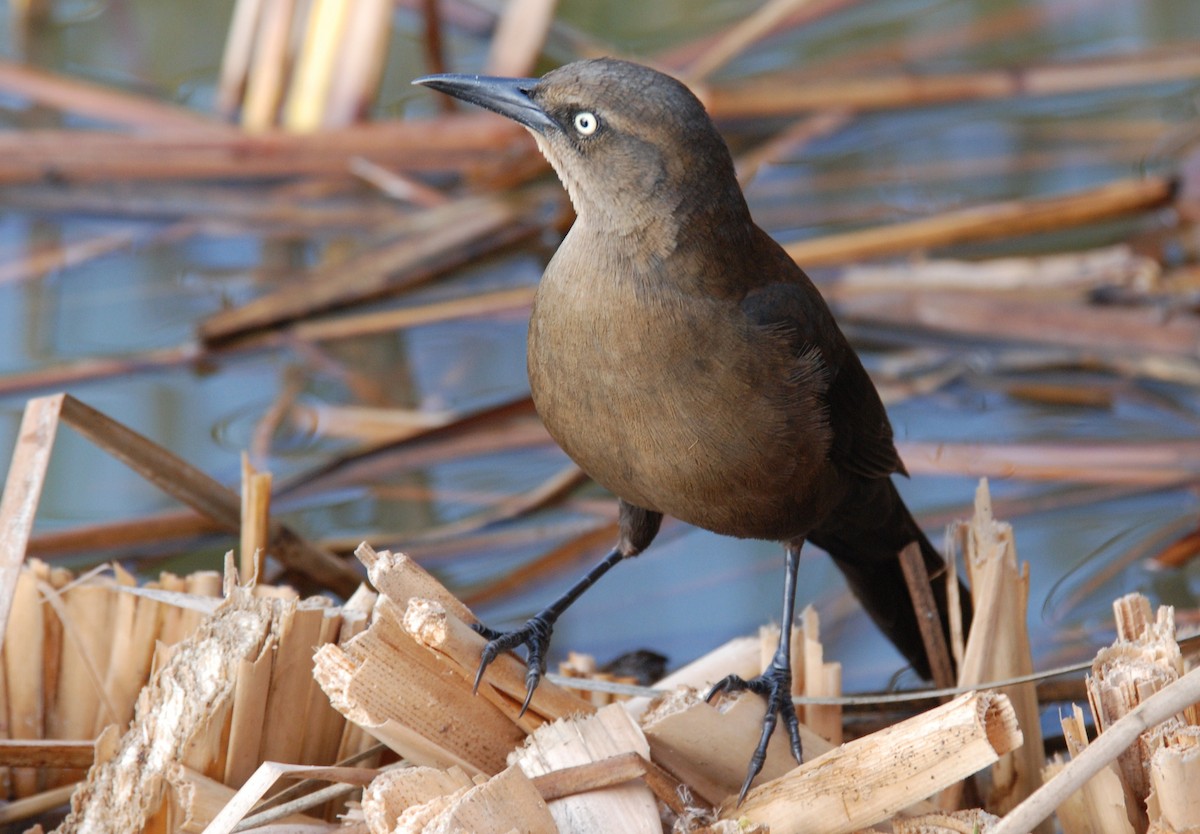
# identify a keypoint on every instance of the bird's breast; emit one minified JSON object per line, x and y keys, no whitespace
{"x":672,"y":401}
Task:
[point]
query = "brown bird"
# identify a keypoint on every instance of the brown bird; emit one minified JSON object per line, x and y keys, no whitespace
{"x":687,"y":364}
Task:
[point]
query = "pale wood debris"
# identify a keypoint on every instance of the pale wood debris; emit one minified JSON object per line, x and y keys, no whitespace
{"x":847,"y":788}
{"x":629,"y":807}
{"x":998,"y":645}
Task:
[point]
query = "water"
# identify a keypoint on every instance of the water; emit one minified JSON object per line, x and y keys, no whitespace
{"x":693,"y":590}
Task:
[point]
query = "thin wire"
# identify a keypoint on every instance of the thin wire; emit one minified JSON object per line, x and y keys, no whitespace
{"x":843,"y":700}
{"x":615,"y":688}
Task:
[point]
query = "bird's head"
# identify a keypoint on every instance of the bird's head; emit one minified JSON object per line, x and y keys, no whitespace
{"x":633,"y":146}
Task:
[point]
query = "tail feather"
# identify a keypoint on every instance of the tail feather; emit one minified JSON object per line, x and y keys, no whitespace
{"x":865,"y":536}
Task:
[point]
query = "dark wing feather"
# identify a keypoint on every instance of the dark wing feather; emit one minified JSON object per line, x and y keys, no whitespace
{"x":862,"y":436}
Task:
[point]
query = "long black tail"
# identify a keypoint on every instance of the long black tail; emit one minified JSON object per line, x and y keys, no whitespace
{"x":865,"y":536}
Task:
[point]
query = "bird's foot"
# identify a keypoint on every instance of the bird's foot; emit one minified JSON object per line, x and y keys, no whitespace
{"x":775,"y":685}
{"x":534,"y":635}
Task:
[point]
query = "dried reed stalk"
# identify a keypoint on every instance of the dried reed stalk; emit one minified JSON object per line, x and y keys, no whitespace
{"x":1036,"y":319}
{"x":519,"y":37}
{"x":472,"y":144}
{"x":266,"y":79}
{"x":22,"y":490}
{"x":238,"y":56}
{"x":1066,"y":272}
{"x":989,"y":222}
{"x":765,"y":20}
{"x":360,"y":63}
{"x":846,"y":789}
{"x":315,"y":64}
{"x":183,"y":481}
{"x":453,"y":234}
{"x":772,"y":96}
{"x":1149,"y":464}
{"x":46,"y":258}
{"x":256,"y":514}
{"x":98,"y":102}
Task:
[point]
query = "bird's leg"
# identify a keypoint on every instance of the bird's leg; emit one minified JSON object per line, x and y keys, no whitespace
{"x":775,"y":683}
{"x":535,"y":633}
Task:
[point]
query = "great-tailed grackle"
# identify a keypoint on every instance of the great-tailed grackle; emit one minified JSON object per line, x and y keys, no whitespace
{"x":686,"y":363}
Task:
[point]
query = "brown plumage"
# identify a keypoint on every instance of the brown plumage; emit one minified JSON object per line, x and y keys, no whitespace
{"x":686,"y":363}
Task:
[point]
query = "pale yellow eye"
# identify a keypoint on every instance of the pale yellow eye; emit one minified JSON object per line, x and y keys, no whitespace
{"x":586,"y":123}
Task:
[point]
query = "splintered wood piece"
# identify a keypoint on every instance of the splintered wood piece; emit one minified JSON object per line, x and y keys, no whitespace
{"x":24,"y":675}
{"x":1098,"y":807}
{"x":394,"y":791}
{"x":126,"y":790}
{"x":412,"y":700}
{"x":323,"y":724}
{"x":629,"y":807}
{"x":81,"y":702}
{"x":1144,"y":660}
{"x":998,"y":645}
{"x":196,"y":800}
{"x":265,"y":777}
{"x":298,"y":633}
{"x":821,"y":680}
{"x":707,"y":747}
{"x":460,"y":646}
{"x":1174,"y":801}
{"x":589,"y":777}
{"x":973,"y":821}
{"x":1154,"y":636}
{"x":133,"y":632}
{"x":1108,"y":745}
{"x":248,"y":716}
{"x":846,"y":789}
{"x":402,"y":579}
{"x":505,"y":803}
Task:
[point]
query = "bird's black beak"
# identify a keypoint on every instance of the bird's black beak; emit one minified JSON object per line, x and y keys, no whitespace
{"x":506,"y":96}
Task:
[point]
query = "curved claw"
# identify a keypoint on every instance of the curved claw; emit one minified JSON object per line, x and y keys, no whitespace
{"x":775,"y":685}
{"x":534,"y":635}
{"x":736,"y":683}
